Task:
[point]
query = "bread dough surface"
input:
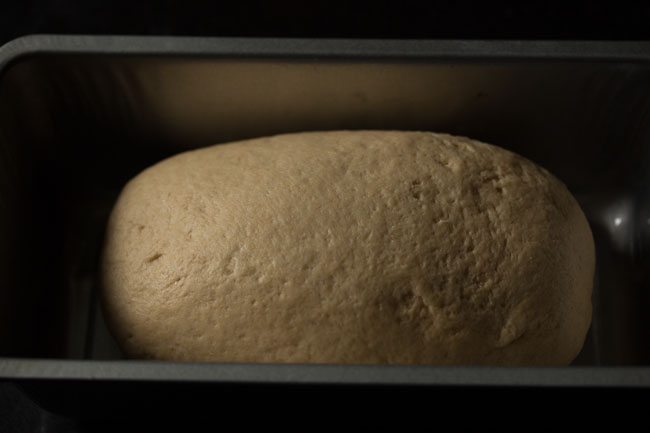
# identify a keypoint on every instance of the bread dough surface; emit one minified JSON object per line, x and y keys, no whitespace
{"x":349,"y":247}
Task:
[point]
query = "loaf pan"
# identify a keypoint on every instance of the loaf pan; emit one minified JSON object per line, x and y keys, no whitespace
{"x":79,"y":116}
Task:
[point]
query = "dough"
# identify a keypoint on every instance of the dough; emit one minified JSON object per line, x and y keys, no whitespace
{"x":349,"y":247}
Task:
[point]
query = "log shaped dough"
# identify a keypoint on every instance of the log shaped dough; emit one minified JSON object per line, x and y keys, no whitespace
{"x":349,"y":247}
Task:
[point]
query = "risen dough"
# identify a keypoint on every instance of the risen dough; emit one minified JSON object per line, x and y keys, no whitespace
{"x":349,"y":247}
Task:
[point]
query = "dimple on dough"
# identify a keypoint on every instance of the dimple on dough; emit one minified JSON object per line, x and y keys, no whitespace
{"x":349,"y":247}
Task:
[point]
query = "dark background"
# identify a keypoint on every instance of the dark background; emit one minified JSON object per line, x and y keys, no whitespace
{"x":376,"y":19}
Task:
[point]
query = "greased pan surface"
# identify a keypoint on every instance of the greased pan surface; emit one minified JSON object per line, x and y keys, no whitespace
{"x":79,"y":116}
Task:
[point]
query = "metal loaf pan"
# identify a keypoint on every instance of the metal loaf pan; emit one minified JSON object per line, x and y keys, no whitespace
{"x":79,"y":116}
